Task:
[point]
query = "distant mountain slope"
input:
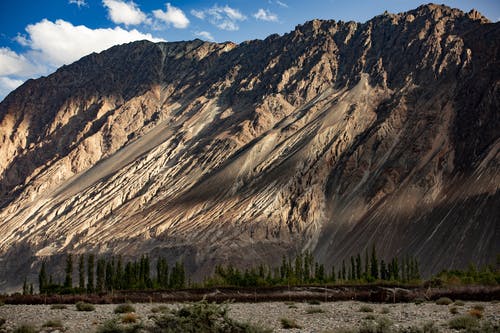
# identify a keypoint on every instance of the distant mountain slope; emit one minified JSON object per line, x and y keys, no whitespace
{"x":331,"y":138}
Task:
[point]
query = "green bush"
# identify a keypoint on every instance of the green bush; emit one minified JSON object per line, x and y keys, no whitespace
{"x":288,"y":323}
{"x":370,"y":317}
{"x":124,"y":308}
{"x":385,"y":310}
{"x":160,"y":308}
{"x":201,"y":317}
{"x":464,"y":322}
{"x":112,"y":326}
{"x":24,"y":328}
{"x":419,"y":300}
{"x":444,"y":301}
{"x":58,"y":306}
{"x":478,"y":307}
{"x":53,"y":323}
{"x":313,"y":302}
{"x":81,"y":306}
{"x":459,"y":303}
{"x":365,"y":308}
{"x":453,"y":310}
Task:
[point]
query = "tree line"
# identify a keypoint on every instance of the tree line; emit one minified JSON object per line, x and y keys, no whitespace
{"x":99,"y":275}
{"x":103,"y":275}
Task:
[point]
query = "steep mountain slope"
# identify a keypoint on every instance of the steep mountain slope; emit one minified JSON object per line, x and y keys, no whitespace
{"x":329,"y":138}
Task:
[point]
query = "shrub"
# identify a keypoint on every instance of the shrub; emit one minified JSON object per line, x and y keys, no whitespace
{"x":129,"y":318}
{"x":58,"y":306}
{"x":419,"y":300}
{"x":24,"y":328}
{"x":112,"y":326}
{"x":453,"y":310}
{"x":201,"y":317}
{"x":314,"y":302}
{"x":381,"y":325}
{"x":160,"y":308}
{"x":288,"y":323}
{"x":124,"y":308}
{"x":429,"y":327}
{"x":293,"y":306}
{"x":476,"y":313}
{"x":385,"y":310}
{"x":463,"y":322}
{"x":53,"y":323}
{"x":444,"y":301}
{"x":370,"y":317}
{"x":478,"y":307}
{"x":312,"y":310}
{"x":459,"y":303}
{"x":365,"y":308}
{"x":2,"y":322}
{"x":81,"y":306}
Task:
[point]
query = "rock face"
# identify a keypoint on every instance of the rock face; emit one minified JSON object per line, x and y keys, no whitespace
{"x":331,"y":138}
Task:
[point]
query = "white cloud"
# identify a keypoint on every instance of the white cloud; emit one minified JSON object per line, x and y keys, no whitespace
{"x":224,"y":18}
{"x":205,"y":35}
{"x":79,"y":3}
{"x":12,"y":63}
{"x":265,"y":15}
{"x":173,"y":15}
{"x":60,"y":42}
{"x":124,"y":12}
{"x":198,"y":14}
{"x":282,"y":4}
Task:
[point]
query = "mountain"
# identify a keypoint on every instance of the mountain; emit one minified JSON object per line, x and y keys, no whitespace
{"x":331,"y":138}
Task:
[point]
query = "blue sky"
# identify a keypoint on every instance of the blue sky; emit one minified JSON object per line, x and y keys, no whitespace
{"x":37,"y":37}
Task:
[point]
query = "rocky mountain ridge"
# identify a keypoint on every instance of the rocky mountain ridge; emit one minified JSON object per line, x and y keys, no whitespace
{"x":330,"y":138}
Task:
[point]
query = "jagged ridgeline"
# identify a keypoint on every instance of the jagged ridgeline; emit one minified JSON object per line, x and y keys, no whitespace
{"x":328,"y":139}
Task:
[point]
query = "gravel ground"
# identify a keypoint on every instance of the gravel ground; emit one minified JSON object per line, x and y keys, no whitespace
{"x":334,"y":315}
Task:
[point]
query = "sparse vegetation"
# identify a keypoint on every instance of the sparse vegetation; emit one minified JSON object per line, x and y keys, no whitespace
{"x":453,"y":310}
{"x":365,"y":308}
{"x":25,"y":328}
{"x":464,"y":322}
{"x":159,"y":308}
{"x":2,"y":322}
{"x":313,"y":302}
{"x":53,"y":323}
{"x":380,"y":325}
{"x":429,"y":327}
{"x":82,"y":306}
{"x":288,"y":323}
{"x":385,"y":310}
{"x":419,"y":300}
{"x":459,"y":303}
{"x":478,"y":307}
{"x":444,"y":301}
{"x":312,"y":310}
{"x":124,"y":308}
{"x":58,"y":306}
{"x":112,"y":326}
{"x":201,"y":317}
{"x":476,"y":313}
{"x":130,"y":318}
{"x":370,"y":317}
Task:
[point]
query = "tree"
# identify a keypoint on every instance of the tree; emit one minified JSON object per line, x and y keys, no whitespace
{"x":100,"y":273}
{"x":81,"y":272}
{"x":333,"y":276}
{"x":343,"y":271}
{"x":42,"y":278}
{"x":25,"y":287}
{"x":90,"y":273}
{"x":366,"y":273}
{"x":374,"y":264}
{"x":358,"y":267}
{"x":68,"y":281}
{"x":383,"y":270}
{"x":353,"y":269}
{"x":109,"y":275}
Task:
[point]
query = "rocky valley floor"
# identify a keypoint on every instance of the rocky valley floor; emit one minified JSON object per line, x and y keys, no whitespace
{"x":323,"y":317}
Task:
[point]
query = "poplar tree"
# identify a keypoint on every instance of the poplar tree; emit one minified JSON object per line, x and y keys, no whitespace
{"x":81,"y":272}
{"x":68,"y":282}
{"x":90,"y":273}
{"x":42,"y":278}
{"x":374,"y":264}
